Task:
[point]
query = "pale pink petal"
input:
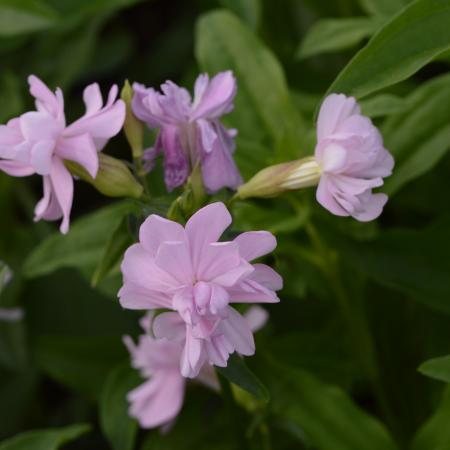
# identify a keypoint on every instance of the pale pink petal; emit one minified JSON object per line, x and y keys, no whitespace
{"x":334,"y":158}
{"x":256,"y":317}
{"x":218,"y":349}
{"x":16,"y":169}
{"x":267,"y":277}
{"x":206,"y":226}
{"x":139,"y":268}
{"x":38,"y":125}
{"x":46,"y":100}
{"x":169,"y":325}
{"x":193,"y":356}
{"x":42,"y":156}
{"x":217,"y":98}
{"x":92,"y":98}
{"x":156,"y":229}
{"x":334,"y":110}
{"x":80,"y":149}
{"x":174,"y":258}
{"x":254,"y":244}
{"x":62,"y":185}
{"x":133,"y":296}
{"x":326,"y":199}
{"x":158,"y":400}
{"x":238,"y":333}
{"x":373,"y":208}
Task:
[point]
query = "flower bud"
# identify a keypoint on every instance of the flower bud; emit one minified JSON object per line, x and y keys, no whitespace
{"x":289,"y":176}
{"x":113,"y":179}
{"x":133,"y":127}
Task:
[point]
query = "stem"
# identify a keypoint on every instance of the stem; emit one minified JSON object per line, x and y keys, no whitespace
{"x":361,"y":337}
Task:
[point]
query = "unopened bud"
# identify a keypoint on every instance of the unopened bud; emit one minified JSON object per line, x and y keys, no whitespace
{"x":289,"y":176}
{"x":113,"y":179}
{"x":133,"y":127}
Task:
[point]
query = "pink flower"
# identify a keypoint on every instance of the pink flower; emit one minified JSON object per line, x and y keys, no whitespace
{"x":40,"y":141}
{"x":158,"y":400}
{"x":188,"y":271}
{"x":352,"y":159}
{"x":190,"y":130}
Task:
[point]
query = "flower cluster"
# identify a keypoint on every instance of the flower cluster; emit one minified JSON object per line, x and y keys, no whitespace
{"x":38,"y":142}
{"x":159,"y":399}
{"x":187,"y":271}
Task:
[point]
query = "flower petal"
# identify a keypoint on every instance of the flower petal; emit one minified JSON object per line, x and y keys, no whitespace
{"x":253,"y":244}
{"x":80,"y":149}
{"x":156,"y":229}
{"x":237,"y":331}
{"x":193,"y":355}
{"x":174,"y":259}
{"x":169,"y":325}
{"x":42,"y":156}
{"x":159,"y":400}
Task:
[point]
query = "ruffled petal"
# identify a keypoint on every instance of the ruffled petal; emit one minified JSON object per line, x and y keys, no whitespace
{"x":80,"y":149}
{"x":254,"y":244}
{"x":156,"y":229}
{"x":237,"y":331}
{"x":42,"y":157}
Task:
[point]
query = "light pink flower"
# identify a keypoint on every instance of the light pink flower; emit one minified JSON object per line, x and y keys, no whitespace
{"x":352,"y":159}
{"x":40,"y":141}
{"x":158,"y":400}
{"x":190,"y":131}
{"x":188,"y":271}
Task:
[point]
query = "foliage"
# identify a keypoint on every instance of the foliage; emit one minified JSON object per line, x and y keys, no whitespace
{"x":354,"y":356}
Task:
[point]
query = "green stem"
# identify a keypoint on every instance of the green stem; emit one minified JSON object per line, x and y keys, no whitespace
{"x":356,"y":322}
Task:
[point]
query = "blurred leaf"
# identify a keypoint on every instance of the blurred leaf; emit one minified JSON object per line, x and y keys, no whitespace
{"x":119,"y":241}
{"x":264,"y":111}
{"x":17,"y":391}
{"x":398,"y":50}
{"x":383,"y":7}
{"x":50,"y":439}
{"x":238,"y":373}
{"x":383,"y":105}
{"x":437,"y":368}
{"x":10,"y":96}
{"x":25,"y":16}
{"x":82,"y":247}
{"x":331,"y":35}
{"x":80,"y":363}
{"x":247,"y":10}
{"x":419,"y":137}
{"x":435,"y":433}
{"x":413,"y":262}
{"x":115,"y":422}
{"x":325,"y":413}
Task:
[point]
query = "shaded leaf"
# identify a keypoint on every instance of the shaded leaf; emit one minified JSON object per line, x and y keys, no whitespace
{"x":50,"y":439}
{"x":331,"y":35}
{"x":82,"y":247}
{"x":117,"y":426}
{"x":238,"y":373}
{"x":437,"y":368}
{"x":398,"y":50}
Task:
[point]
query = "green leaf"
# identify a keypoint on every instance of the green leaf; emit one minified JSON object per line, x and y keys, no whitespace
{"x":383,"y":7}
{"x":437,"y":368}
{"x":325,"y":413}
{"x":383,"y":105}
{"x":264,"y":112}
{"x":80,"y":363}
{"x":410,"y":261}
{"x":399,"y":49}
{"x":331,"y":35}
{"x":120,"y":240}
{"x":25,"y":16}
{"x":419,"y":137}
{"x":247,"y":10}
{"x":50,"y":439}
{"x":82,"y":247}
{"x":238,"y":373}
{"x":117,"y":426}
{"x":435,"y":433}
